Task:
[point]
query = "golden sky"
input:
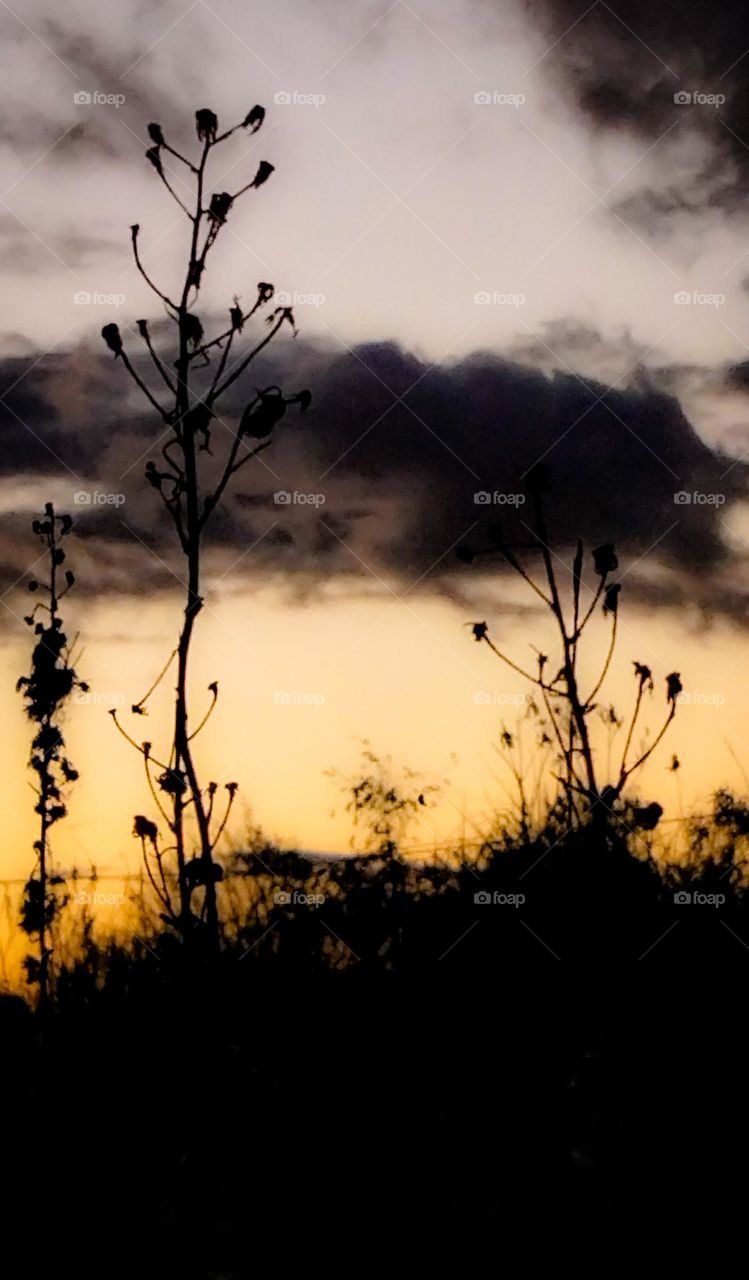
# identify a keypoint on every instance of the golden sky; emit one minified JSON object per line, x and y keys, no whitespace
{"x":301,"y":687}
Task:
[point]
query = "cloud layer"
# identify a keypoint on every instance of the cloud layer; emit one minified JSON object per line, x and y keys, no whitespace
{"x":379,"y":481}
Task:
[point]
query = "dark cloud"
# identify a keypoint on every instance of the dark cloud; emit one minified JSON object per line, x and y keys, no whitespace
{"x":396,"y":451}
{"x":624,"y":63}
{"x":737,"y":376}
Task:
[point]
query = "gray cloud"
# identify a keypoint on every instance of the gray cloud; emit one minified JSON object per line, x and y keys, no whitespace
{"x":397,"y":450}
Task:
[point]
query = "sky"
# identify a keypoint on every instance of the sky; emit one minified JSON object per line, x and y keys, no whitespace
{"x":509,"y":232}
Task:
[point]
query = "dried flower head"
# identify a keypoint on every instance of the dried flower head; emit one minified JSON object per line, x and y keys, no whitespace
{"x":604,"y":559}
{"x":206,"y":125}
{"x":254,"y":118}
{"x":111,"y":335}
{"x":264,"y":170}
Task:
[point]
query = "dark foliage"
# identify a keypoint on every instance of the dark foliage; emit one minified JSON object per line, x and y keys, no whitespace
{"x":478,"y":1087}
{"x":46,"y":690}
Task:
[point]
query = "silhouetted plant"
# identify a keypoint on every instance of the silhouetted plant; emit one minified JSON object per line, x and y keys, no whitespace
{"x":46,"y":689}
{"x":528,"y":801}
{"x":568,"y":707}
{"x":191,"y":488}
{"x":380,"y":804}
{"x":721,"y":839}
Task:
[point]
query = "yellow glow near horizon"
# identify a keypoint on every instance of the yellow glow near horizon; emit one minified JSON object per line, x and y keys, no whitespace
{"x":301,"y":686}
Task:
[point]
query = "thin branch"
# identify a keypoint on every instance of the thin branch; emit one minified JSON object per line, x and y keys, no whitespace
{"x":533,"y":679}
{"x":222,"y":361}
{"x":138,"y":746}
{"x":173,"y":193}
{"x":173,"y":507}
{"x":158,"y":679}
{"x":635,"y":714}
{"x":567,"y":756}
{"x":211,"y":502}
{"x":149,"y":873}
{"x":143,"y":330}
{"x":159,"y":862}
{"x":211,"y":797}
{"x":214,"y":342}
{"x":164,"y":297}
{"x":214,"y":395}
{"x":606,"y":664}
{"x":567,"y":645}
{"x":223,"y":136}
{"x":516,"y":565}
{"x":177,"y":156}
{"x":214,"y":690}
{"x":137,"y":379}
{"x":569,"y":788}
{"x":638,"y":763}
{"x":577,"y":566}
{"x":232,"y":792}
{"x":152,"y":789}
{"x":179,"y":473}
{"x":578,"y":632}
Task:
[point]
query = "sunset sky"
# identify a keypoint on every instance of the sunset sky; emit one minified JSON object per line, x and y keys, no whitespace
{"x":506,"y":237}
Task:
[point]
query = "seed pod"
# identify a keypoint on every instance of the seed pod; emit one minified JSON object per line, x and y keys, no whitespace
{"x":144,"y":828}
{"x":264,"y":170}
{"x":254,"y":118}
{"x":206,"y":124}
{"x":111,"y":335}
{"x":220,"y":205}
{"x":604,"y":559}
{"x":258,"y":420}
